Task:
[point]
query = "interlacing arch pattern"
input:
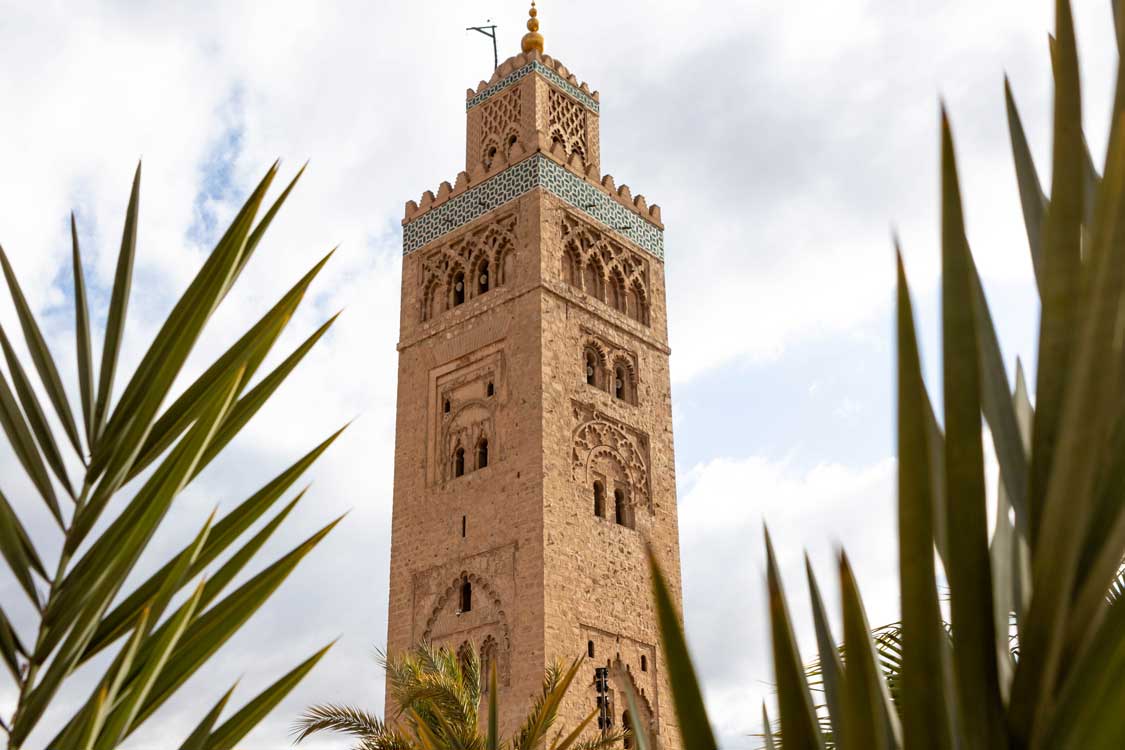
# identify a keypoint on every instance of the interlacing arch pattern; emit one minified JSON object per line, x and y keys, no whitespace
{"x":488,"y":599}
{"x":468,"y":267}
{"x":605,"y":269}
{"x":566,"y":122}
{"x":500,"y":126}
{"x":600,"y":439}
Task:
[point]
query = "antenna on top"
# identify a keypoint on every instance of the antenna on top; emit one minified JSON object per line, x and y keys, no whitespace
{"x":490,"y":32}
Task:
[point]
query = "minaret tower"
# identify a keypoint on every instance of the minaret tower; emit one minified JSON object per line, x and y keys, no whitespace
{"x":533,"y":456}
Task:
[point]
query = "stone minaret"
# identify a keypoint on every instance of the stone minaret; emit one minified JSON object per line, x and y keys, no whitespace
{"x":533,"y":456}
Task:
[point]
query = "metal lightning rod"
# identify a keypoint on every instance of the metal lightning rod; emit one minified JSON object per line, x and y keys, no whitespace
{"x":490,"y":32}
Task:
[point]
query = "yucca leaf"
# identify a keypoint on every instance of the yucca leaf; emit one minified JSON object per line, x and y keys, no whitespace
{"x":225,"y":533}
{"x":1076,"y":392}
{"x":16,"y":547}
{"x":118,"y":308}
{"x":83,"y":731}
{"x":82,"y":615}
{"x":215,"y":626}
{"x":23,"y":445}
{"x":36,"y":419}
{"x":767,"y":729}
{"x":150,"y":502}
{"x":980,"y":708}
{"x":254,"y":399}
{"x":799,"y":725}
{"x":122,"y":720}
{"x":1032,"y":197}
{"x":695,"y":729}
{"x":40,"y":354}
{"x":10,"y":646}
{"x":831,"y":668}
{"x":83,"y":346}
{"x":925,"y":721}
{"x":250,"y":350}
{"x":260,"y":229}
{"x":238,"y":726}
{"x":197,"y":740}
{"x":870,"y":720}
{"x":1088,"y":712}
{"x":133,"y":417}
{"x":996,"y":402}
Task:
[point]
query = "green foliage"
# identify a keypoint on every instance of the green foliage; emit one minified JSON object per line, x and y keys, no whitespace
{"x":1035,"y":643}
{"x":438,"y":698}
{"x":104,"y":530}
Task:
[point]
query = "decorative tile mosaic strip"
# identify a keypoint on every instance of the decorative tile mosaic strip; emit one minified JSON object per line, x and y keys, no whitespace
{"x":538,"y":67}
{"x":537,"y":171}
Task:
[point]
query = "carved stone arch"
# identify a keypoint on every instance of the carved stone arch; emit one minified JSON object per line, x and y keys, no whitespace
{"x":466,"y":433}
{"x":432,"y":292}
{"x":498,"y":243}
{"x":598,"y":438}
{"x":622,"y":677}
{"x":593,"y":277}
{"x":572,"y":264}
{"x":624,"y":365}
{"x":483,"y":591}
{"x":615,"y":288}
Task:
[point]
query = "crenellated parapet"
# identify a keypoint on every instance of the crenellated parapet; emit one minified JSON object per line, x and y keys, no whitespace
{"x":471,"y":196}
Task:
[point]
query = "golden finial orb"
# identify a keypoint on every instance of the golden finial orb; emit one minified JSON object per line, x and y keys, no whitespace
{"x":532,"y":40}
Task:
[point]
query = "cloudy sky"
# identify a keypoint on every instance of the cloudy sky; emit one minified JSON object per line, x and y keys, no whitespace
{"x":784,"y":141}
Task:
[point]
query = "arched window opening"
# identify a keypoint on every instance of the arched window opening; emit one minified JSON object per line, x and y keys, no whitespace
{"x":466,"y":600}
{"x":599,"y":500}
{"x":512,"y":141}
{"x":483,"y":278}
{"x":620,"y":509}
{"x":590,"y":649}
{"x":591,"y":368}
{"x":620,"y":386}
{"x":571,"y":272}
{"x":446,"y":406}
{"x":459,"y":462}
{"x":487,"y":660}
{"x":458,"y":289}
{"x":592,"y":280}
{"x":616,"y":296}
{"x":489,"y":156}
{"x":627,"y":726}
{"x":644,"y":663}
{"x":482,"y":453}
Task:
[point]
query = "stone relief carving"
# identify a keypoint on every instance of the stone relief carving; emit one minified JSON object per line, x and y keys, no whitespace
{"x":605,"y":449}
{"x":604,"y":268}
{"x":469,"y":266}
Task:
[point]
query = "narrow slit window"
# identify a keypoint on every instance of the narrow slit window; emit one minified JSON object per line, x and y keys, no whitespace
{"x":491,"y":389}
{"x":644,"y":663}
{"x":446,"y":406}
{"x":466,"y":595}
{"x":465,"y":528}
{"x":590,"y":649}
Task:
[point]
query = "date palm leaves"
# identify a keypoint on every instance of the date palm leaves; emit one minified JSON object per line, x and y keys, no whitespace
{"x":1036,"y":635}
{"x":437,"y":695}
{"x":81,"y":465}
